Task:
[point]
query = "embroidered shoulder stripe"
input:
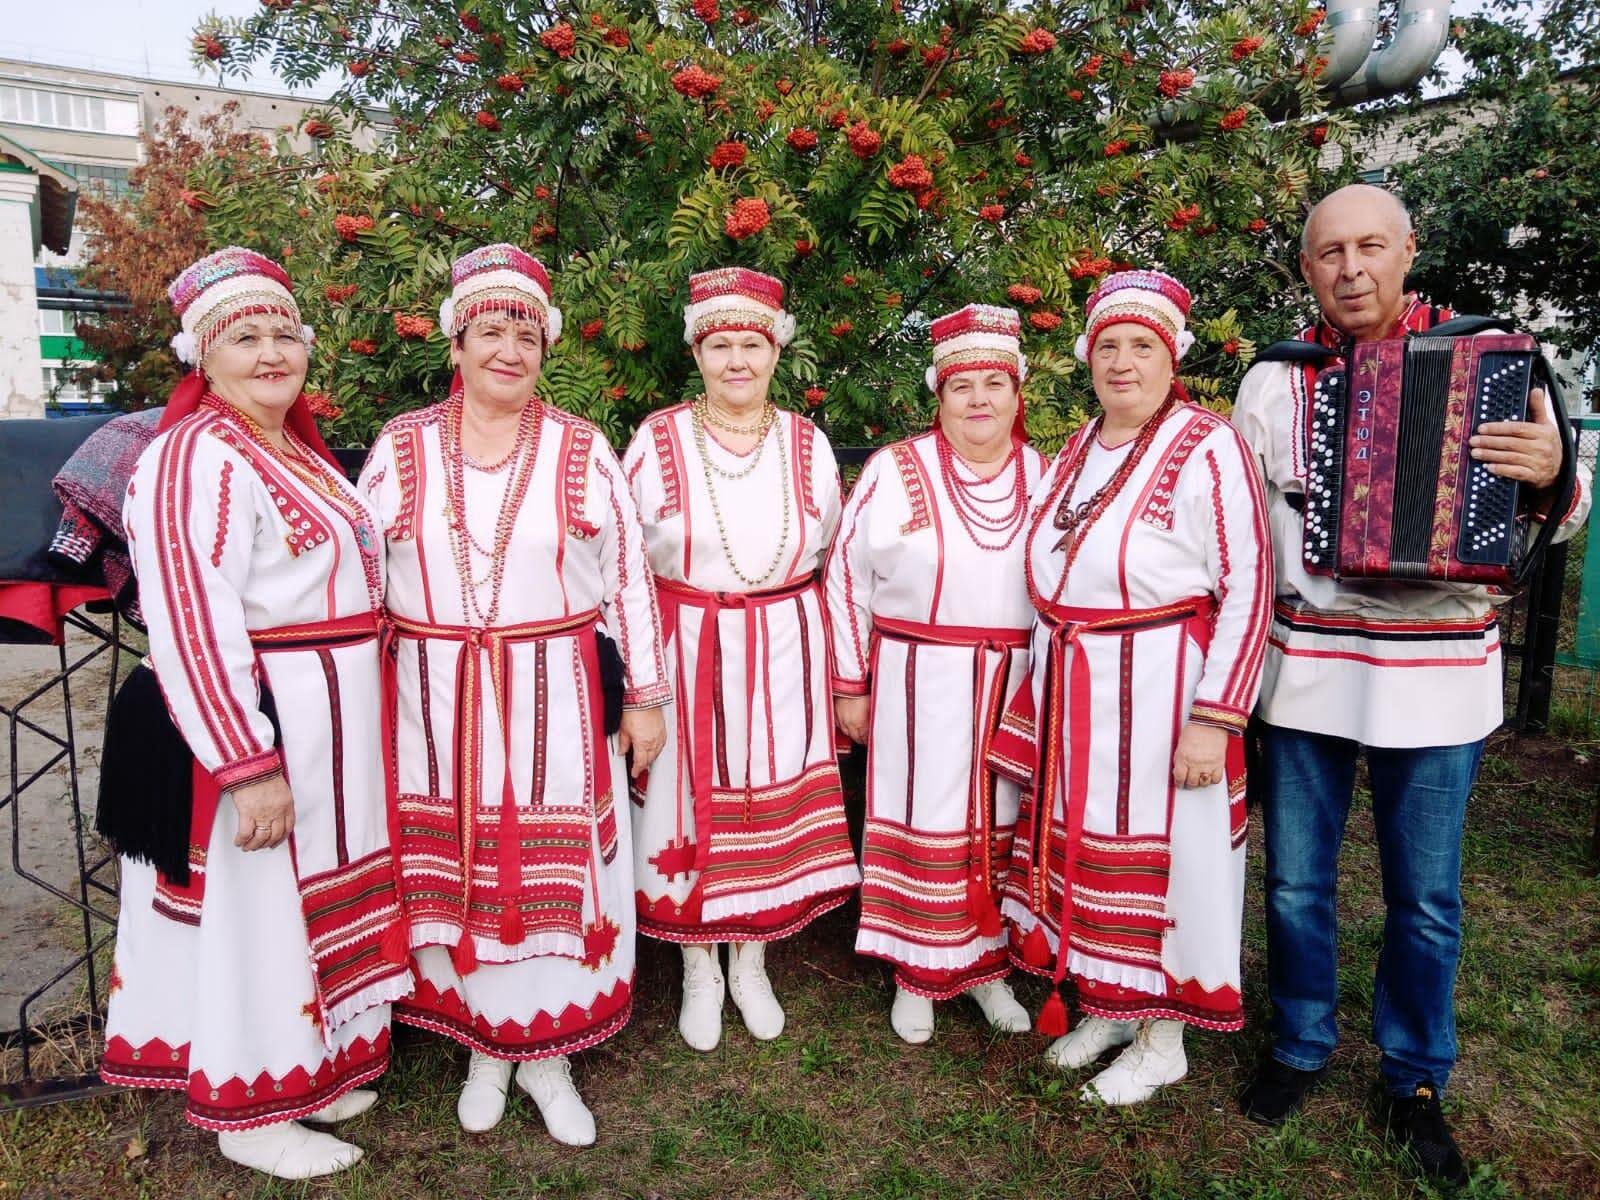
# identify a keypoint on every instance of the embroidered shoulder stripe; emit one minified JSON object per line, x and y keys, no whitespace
{"x":1158,"y":509}
{"x":670,"y":465}
{"x":223,"y":500}
{"x":577,"y":444}
{"x":915,"y":480}
{"x":805,"y":439}
{"x":407,"y":446}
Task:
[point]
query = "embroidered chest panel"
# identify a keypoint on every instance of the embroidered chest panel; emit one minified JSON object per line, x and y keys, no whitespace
{"x":670,"y":464}
{"x":407,"y":444}
{"x":914,"y":478}
{"x":577,"y":444}
{"x":306,"y":527}
{"x":1157,"y":509}
{"x":804,"y":452}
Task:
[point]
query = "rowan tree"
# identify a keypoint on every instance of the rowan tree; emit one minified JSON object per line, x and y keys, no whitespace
{"x":135,"y":244}
{"x":889,"y":161}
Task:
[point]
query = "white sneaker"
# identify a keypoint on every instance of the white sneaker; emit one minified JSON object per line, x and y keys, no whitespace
{"x":352,"y":1104}
{"x":1154,"y":1059}
{"x":483,"y":1096}
{"x":700,"y":1018}
{"x":911,"y":1016}
{"x":288,"y":1150}
{"x":1092,"y":1038}
{"x":1000,"y":1007}
{"x":566,"y":1116}
{"x":752,"y":990}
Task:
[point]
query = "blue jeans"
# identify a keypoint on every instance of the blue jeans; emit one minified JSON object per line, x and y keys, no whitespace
{"x":1419,"y":803}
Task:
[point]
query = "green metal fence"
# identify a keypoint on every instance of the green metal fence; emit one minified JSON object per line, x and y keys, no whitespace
{"x":1575,"y":683}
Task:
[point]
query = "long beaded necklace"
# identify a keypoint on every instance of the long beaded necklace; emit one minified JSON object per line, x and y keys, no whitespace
{"x":1075,"y":520}
{"x":462,"y":543}
{"x":974,"y":512}
{"x":703,"y":414}
{"x":702,"y":446}
{"x":308,"y":467}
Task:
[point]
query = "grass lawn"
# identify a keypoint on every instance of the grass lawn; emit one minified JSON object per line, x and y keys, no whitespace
{"x":840,"y":1107}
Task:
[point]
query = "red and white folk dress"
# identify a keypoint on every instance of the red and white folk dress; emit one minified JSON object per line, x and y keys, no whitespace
{"x":739,"y":832}
{"x":930,"y":616}
{"x":262,"y":987}
{"x":1149,"y":565}
{"x":516,"y":865}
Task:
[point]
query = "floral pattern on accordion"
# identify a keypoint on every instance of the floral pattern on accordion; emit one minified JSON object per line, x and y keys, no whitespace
{"x":1366,"y":659}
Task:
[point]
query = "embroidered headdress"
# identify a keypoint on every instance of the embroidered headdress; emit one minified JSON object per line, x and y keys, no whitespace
{"x":1153,"y":299}
{"x":499,"y":279}
{"x":211,"y":294}
{"x":735,"y":298}
{"x":208,"y":296}
{"x":979,"y":337}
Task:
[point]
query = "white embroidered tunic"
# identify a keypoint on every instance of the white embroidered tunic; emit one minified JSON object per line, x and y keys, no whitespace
{"x":1160,"y":619}
{"x":1382,"y":663}
{"x":261,"y":988}
{"x":516,"y":869}
{"x":930,"y":617}
{"x":739,"y":831}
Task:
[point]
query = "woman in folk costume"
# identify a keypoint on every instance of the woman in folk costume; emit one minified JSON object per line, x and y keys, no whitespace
{"x":512,"y":544}
{"x":930,"y":626}
{"x":739,"y":830}
{"x":1149,"y":565}
{"x":257,"y":975}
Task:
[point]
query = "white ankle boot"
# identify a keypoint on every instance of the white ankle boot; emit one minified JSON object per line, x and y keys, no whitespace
{"x":752,"y":990}
{"x":352,"y":1104}
{"x":1092,"y":1038}
{"x":483,"y":1097}
{"x":700,"y":1018}
{"x":1000,"y":1007}
{"x":566,"y":1116}
{"x":288,"y":1150}
{"x":1154,"y":1059}
{"x":911,"y":1016}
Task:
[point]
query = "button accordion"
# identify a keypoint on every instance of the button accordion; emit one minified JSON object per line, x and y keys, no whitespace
{"x":1392,"y":490}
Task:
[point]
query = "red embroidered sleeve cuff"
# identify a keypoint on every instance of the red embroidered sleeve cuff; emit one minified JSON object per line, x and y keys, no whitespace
{"x":652,"y":695}
{"x":1541,"y":509}
{"x":851,"y":687}
{"x":245,"y":771}
{"x":1220,"y":715}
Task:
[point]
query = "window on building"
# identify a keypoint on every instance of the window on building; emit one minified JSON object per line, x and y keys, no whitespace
{"x":61,"y":385}
{"x":68,"y":110}
{"x":1377,"y":177}
{"x":97,"y":177}
{"x":62,"y":322}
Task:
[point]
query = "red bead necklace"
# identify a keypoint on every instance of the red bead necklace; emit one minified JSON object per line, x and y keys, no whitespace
{"x":975,"y":513}
{"x":462,"y":544}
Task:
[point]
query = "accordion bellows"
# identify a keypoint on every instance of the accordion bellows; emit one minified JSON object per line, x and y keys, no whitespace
{"x":1392,"y":490}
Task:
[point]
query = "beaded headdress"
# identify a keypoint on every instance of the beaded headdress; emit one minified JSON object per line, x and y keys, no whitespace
{"x":1153,"y":299}
{"x":979,"y":337}
{"x":499,"y":279}
{"x":735,"y":298}
{"x":211,"y":294}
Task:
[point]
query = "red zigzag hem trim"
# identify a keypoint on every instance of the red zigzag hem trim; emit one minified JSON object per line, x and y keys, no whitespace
{"x":576,"y":1029}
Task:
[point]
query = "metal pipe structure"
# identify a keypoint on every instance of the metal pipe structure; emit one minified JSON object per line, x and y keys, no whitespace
{"x":1421,"y":30}
{"x":1347,"y":36}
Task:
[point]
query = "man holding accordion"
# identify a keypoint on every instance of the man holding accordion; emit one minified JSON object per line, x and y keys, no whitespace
{"x":1392,"y":511}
